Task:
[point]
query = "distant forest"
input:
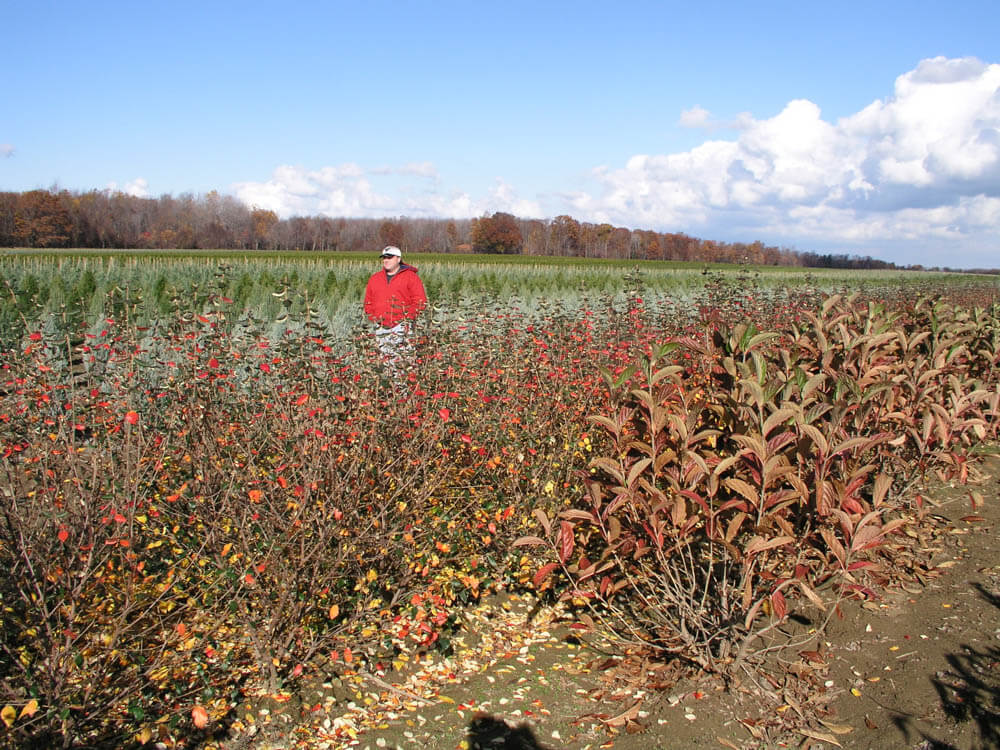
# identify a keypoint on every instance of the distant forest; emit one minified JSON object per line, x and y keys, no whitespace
{"x":114,"y":220}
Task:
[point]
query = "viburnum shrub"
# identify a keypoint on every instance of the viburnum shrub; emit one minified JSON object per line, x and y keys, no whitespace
{"x":208,"y":507}
{"x":744,"y":466}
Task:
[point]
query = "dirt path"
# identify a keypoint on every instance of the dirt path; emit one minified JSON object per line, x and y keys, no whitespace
{"x":919,"y":669}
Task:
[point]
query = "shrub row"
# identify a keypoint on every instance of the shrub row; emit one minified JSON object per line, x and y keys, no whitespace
{"x":742,"y":467}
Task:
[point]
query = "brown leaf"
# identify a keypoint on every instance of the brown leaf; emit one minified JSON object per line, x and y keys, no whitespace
{"x":821,"y":736}
{"x":814,"y":656}
{"x":837,"y":728}
{"x":625,"y":716}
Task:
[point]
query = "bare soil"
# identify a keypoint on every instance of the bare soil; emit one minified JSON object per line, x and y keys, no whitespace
{"x":918,"y":669}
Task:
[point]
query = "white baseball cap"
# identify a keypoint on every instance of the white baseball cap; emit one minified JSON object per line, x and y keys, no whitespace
{"x":390,"y":250}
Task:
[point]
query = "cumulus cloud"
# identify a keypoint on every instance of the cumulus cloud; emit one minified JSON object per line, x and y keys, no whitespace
{"x":699,"y":118}
{"x":6,"y":149}
{"x":906,"y":176}
{"x":923,"y":163}
{"x":139,"y":187}
{"x":349,"y":190}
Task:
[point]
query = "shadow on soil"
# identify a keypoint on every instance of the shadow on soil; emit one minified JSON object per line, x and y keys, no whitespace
{"x":969,"y":691}
{"x":490,"y":733}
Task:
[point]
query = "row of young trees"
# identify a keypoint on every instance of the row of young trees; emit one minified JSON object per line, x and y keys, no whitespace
{"x":105,"y":219}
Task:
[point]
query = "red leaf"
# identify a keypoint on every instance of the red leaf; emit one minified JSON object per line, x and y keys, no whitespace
{"x":132,"y":417}
{"x":445,"y":414}
{"x":565,"y":541}
{"x":779,"y":604}
{"x":542,"y":574}
{"x":63,"y":534}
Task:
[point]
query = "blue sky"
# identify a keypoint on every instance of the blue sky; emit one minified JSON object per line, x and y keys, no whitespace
{"x":865,"y":128}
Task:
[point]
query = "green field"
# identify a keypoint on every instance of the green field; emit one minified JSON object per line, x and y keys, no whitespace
{"x":78,"y":288}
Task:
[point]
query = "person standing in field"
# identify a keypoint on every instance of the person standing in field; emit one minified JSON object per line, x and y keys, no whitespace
{"x":394,"y":297}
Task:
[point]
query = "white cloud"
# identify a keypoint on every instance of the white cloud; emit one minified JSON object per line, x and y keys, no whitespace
{"x":348,"y":190}
{"x":6,"y":149}
{"x":923,"y":163}
{"x":696,"y":117}
{"x":921,"y":166}
{"x":699,"y":118}
{"x":413,"y":169}
{"x":139,"y":187}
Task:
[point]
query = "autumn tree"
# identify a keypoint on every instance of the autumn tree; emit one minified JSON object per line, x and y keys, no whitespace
{"x":107,"y":219}
{"x":8,"y":210}
{"x":536,"y":237}
{"x":261,"y":224}
{"x":497,"y":234}
{"x":451,"y":232}
{"x":618,"y":243}
{"x":41,"y":220}
{"x":565,"y":234}
{"x":392,"y":233}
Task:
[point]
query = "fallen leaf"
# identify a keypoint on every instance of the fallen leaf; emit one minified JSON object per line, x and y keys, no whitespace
{"x":625,"y":716}
{"x":30,"y":709}
{"x":814,"y":656}
{"x":821,"y":736}
{"x":837,"y":728}
{"x":199,"y":716}
{"x":8,"y":714}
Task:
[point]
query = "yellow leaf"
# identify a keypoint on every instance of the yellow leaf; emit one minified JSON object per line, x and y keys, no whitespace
{"x":372,"y":575}
{"x":8,"y":714}
{"x":144,"y":736}
{"x":30,"y":709}
{"x":226,"y":547}
{"x":445,"y":699}
{"x":334,"y":611}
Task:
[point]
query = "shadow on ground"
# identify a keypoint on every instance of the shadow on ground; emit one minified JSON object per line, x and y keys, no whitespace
{"x":490,"y":733}
{"x":969,"y":690}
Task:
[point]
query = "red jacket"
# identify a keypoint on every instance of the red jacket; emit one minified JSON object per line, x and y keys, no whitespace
{"x":388,"y":302}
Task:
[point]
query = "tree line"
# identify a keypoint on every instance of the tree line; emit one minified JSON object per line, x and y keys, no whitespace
{"x":114,"y":220}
